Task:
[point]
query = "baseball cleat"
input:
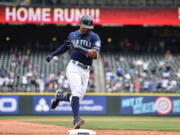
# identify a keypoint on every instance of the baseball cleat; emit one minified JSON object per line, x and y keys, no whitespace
{"x":54,"y":103}
{"x":59,"y":95}
{"x":58,"y":98}
{"x":78,"y":123}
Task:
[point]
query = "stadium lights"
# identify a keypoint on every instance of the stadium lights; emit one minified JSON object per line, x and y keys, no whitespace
{"x":54,"y":39}
{"x":7,"y":38}
{"x":109,"y":40}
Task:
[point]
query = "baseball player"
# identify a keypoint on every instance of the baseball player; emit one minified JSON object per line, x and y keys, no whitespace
{"x":84,"y":46}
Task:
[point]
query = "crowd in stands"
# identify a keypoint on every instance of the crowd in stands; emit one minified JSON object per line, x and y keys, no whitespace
{"x":123,"y":73}
{"x":22,"y":75}
{"x":143,"y":75}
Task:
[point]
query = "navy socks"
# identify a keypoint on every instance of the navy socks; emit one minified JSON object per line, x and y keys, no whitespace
{"x":68,"y":97}
{"x":75,"y":107}
{"x":74,"y":103}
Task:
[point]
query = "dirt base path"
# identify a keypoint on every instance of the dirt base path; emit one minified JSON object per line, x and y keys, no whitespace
{"x":19,"y":127}
{"x":23,"y":127}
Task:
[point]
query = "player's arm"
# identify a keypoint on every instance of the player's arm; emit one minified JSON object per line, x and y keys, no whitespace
{"x":88,"y":52}
{"x":62,"y":49}
{"x":94,"y":52}
{"x":96,"y":49}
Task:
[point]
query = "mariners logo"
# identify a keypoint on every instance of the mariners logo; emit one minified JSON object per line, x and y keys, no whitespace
{"x":163,"y":105}
{"x":42,"y":106}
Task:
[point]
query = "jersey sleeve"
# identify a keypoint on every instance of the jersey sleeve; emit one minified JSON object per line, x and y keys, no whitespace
{"x":97,"y":43}
{"x":69,"y":36}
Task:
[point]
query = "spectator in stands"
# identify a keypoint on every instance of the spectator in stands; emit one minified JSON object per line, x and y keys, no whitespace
{"x":146,"y":85}
{"x":118,"y":85}
{"x":6,"y":81}
{"x":178,"y":73}
{"x":4,"y":78}
{"x":168,"y":56}
{"x":153,"y":70}
{"x":145,"y":66}
{"x":25,"y":61}
{"x":161,"y":65}
{"x":138,"y":62}
{"x":119,"y":72}
{"x":137,"y":85}
{"x":110,"y":79}
{"x":131,"y":69}
{"x":172,"y":85}
{"x":11,"y":83}
{"x":91,"y":81}
{"x":167,"y":72}
{"x":3,"y":72}
{"x":127,"y":77}
{"x":127,"y":85}
{"x":110,"y":76}
{"x":168,"y":53}
{"x":61,"y":78}
{"x":153,"y":84}
{"x":164,"y":83}
{"x":41,"y":83}
{"x":33,"y":82}
{"x":24,"y":82}
{"x":106,"y":65}
{"x":1,"y":83}
{"x":17,"y":78}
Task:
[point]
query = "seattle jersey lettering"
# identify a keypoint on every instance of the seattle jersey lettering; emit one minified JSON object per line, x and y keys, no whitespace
{"x":83,"y":43}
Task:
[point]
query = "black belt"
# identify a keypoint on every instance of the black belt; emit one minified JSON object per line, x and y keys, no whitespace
{"x":81,"y":65}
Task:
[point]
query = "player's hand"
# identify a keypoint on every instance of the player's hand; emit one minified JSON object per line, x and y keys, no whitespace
{"x":92,"y":53}
{"x":49,"y":58}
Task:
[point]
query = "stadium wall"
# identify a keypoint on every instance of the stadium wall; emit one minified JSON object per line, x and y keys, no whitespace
{"x":93,"y":104}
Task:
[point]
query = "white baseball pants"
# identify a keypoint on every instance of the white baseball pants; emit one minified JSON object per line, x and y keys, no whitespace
{"x":78,"y":79}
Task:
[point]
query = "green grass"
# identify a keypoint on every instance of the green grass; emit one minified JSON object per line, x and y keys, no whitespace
{"x":122,"y":125}
{"x":163,"y":123}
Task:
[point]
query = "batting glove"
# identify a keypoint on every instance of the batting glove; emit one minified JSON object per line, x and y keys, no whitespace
{"x":49,"y":58}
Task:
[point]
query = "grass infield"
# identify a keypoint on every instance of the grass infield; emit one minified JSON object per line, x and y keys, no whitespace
{"x":109,"y":122}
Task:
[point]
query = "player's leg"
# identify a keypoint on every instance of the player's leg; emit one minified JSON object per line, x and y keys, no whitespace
{"x":84,"y":74}
{"x":85,"y":79}
{"x":60,"y":96}
{"x":75,"y":82}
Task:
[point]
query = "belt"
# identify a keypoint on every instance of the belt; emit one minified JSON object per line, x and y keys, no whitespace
{"x":86,"y":67}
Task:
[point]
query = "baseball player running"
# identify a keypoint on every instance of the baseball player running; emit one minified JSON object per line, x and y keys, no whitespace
{"x":84,"y":46}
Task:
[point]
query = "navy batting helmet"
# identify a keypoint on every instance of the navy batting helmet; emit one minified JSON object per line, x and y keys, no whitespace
{"x":87,"y":22}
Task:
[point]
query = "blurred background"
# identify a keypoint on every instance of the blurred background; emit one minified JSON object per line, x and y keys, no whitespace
{"x":140,"y":44}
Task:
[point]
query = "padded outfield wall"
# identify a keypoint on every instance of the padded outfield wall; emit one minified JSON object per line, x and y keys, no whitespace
{"x":92,"y":104}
